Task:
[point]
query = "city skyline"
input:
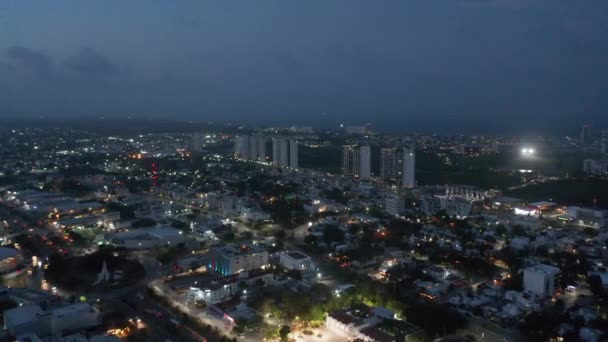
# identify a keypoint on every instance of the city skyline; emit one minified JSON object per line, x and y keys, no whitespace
{"x":462,"y":66}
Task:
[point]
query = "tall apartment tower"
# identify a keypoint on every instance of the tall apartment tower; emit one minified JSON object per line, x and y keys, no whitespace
{"x":356,"y":161}
{"x":196,"y":146}
{"x":389,"y":164}
{"x":408,"y":176}
{"x":350,"y":160}
{"x":585,"y":138}
{"x":253,"y":147}
{"x":365,"y":160}
{"x":241,"y":146}
{"x":276,"y":151}
{"x":260,"y":141}
{"x":293,"y":154}
{"x":285,"y":152}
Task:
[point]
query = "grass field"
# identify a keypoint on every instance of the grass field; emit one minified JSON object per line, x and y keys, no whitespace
{"x":581,"y":192}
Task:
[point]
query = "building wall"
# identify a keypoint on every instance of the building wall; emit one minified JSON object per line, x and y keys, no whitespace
{"x":365,"y":158}
{"x":293,"y":154}
{"x":295,"y":264}
{"x":408,"y":176}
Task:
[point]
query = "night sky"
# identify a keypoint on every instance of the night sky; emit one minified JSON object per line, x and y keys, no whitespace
{"x":462,"y":65}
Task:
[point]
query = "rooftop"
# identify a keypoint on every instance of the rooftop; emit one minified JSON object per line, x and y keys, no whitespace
{"x":297,"y":255}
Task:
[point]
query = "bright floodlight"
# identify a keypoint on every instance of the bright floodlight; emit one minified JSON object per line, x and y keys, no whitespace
{"x":527,"y":151}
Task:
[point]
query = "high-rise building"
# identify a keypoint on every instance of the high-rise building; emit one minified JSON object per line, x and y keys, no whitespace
{"x":260,"y":142}
{"x":585,"y":138}
{"x":389,"y":164}
{"x":293,"y":154}
{"x":356,"y":161}
{"x":241,"y":146}
{"x":196,"y":146}
{"x":408,"y":176}
{"x":365,"y":160}
{"x":276,"y":151}
{"x":350,"y":161}
{"x":253,"y":147}
{"x":285,"y":152}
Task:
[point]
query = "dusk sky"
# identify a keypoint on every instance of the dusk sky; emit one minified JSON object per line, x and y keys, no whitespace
{"x":401,"y":65}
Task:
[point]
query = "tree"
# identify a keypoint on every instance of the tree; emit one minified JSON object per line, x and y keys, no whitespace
{"x":333,"y":234}
{"x":595,"y":284}
{"x":284,"y":332}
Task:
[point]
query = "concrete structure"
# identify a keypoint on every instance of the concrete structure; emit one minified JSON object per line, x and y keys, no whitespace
{"x":394,"y":205}
{"x":542,"y":280}
{"x":595,"y":167}
{"x":356,"y":161}
{"x":54,"y":322}
{"x":212,"y":291}
{"x":261,"y":151}
{"x":196,"y":145}
{"x":250,"y":147}
{"x":585,"y":137}
{"x":234,"y":258}
{"x":390,"y":164}
{"x":147,"y":238}
{"x":365,"y":160}
{"x":241,"y":146}
{"x":597,"y":218}
{"x":408,"y":176}
{"x":296,"y":261}
{"x":350,"y":161}
{"x":362,"y":323}
{"x":363,"y":129}
{"x":285,"y":152}
{"x":293,"y":154}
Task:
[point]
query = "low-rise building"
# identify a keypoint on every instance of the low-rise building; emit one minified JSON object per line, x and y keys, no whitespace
{"x":147,"y":238}
{"x":295,"y":261}
{"x":234,"y":258}
{"x":541,"y":279}
{"x":52,"y":322}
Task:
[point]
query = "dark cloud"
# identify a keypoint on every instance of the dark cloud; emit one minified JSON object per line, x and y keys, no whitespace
{"x":89,"y":61}
{"x":501,"y":4}
{"x":31,"y":60}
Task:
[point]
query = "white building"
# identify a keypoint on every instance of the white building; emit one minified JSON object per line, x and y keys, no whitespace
{"x":394,"y":205}
{"x":408,"y":176}
{"x":456,"y":206}
{"x":147,"y":238}
{"x":285,"y":152}
{"x":296,"y":261}
{"x":234,"y":258}
{"x":241,"y":146}
{"x":541,"y":279}
{"x":213,"y":291}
